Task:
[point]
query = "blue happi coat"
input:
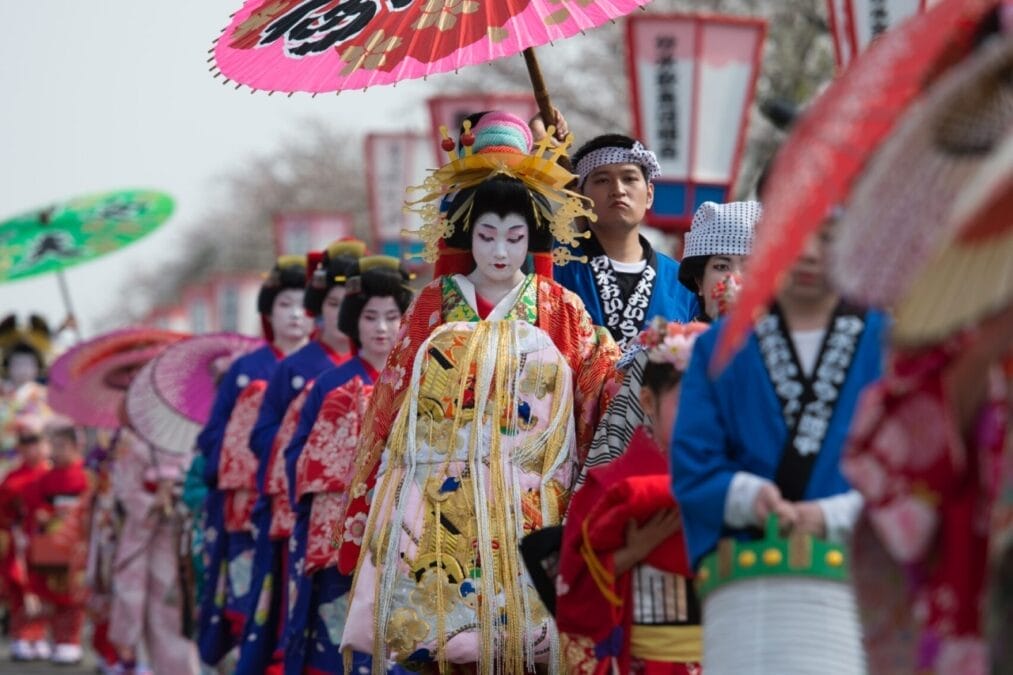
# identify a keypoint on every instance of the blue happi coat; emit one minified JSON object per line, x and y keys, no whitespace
{"x":215,"y":638}
{"x":735,"y":423}
{"x":267,"y":586}
{"x":307,"y":639}
{"x":669,"y":299}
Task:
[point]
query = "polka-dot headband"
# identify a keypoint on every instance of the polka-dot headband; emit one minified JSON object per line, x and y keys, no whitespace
{"x":638,"y":154}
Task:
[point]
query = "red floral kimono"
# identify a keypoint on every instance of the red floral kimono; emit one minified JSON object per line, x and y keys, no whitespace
{"x":325,"y":468}
{"x":277,"y":487}
{"x":13,"y":570}
{"x":597,"y":610}
{"x":58,"y":547}
{"x":929,"y":500}
{"x":237,"y":472}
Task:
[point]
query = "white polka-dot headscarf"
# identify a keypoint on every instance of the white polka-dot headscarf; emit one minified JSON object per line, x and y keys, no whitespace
{"x":722,"y":229}
{"x":614,"y":154}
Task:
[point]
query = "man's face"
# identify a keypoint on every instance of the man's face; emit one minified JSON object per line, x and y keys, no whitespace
{"x":719,"y":268}
{"x":808,"y":279}
{"x":621,"y":195}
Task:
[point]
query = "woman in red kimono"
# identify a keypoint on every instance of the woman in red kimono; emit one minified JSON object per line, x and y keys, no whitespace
{"x":625,"y":603}
{"x":57,"y":541}
{"x":931,"y":452}
{"x":27,"y":629}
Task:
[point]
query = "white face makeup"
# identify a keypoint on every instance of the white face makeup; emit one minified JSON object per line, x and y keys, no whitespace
{"x":329,"y":316}
{"x":500,"y":246}
{"x":378,"y":326}
{"x":22,"y":368}
{"x":288,"y":317}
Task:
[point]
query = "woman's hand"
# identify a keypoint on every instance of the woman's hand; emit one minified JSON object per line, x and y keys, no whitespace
{"x":33,"y":605}
{"x":164,"y":501}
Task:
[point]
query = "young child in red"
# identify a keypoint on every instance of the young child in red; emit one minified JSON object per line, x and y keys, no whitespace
{"x":28,"y":631}
{"x":57,"y":542}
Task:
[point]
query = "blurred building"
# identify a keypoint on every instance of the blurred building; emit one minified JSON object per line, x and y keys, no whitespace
{"x":225,"y":302}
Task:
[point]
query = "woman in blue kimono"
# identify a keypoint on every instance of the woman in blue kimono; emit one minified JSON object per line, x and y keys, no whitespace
{"x":283,"y":399}
{"x":285,"y":329}
{"x":376,"y":298}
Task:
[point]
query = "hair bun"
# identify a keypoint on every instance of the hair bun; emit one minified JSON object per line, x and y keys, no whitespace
{"x":502,"y":131}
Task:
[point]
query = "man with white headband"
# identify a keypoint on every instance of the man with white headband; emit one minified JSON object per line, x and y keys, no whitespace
{"x":625,"y":283}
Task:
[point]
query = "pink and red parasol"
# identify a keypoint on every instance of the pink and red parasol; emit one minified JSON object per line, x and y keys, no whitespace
{"x":186,"y":375}
{"x":328,"y":45}
{"x":88,"y":383}
{"x":170,"y":400}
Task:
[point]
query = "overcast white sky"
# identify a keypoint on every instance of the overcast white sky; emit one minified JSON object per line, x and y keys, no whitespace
{"x":105,"y":94}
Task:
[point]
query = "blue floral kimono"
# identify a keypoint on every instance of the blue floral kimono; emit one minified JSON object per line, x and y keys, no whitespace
{"x":307,"y":639}
{"x":215,"y":637}
{"x":267,"y":596}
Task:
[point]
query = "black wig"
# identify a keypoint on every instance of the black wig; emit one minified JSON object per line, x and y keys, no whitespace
{"x":378,"y":282}
{"x":502,"y":196}
{"x":288,"y":273}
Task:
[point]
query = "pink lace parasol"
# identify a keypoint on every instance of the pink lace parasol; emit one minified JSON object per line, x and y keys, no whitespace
{"x":170,"y":400}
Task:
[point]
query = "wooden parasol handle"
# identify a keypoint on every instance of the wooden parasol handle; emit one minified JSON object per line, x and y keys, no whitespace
{"x":67,"y":304}
{"x":538,"y":85}
{"x":542,"y":97}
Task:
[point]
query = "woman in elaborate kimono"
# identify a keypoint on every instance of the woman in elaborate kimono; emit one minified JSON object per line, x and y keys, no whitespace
{"x":319,"y":460}
{"x":147,"y":603}
{"x":277,"y":420}
{"x":477,"y":425}
{"x":228,"y":544}
{"x":930,"y":450}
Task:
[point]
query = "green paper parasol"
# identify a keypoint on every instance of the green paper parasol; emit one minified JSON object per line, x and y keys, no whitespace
{"x":54,"y":238}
